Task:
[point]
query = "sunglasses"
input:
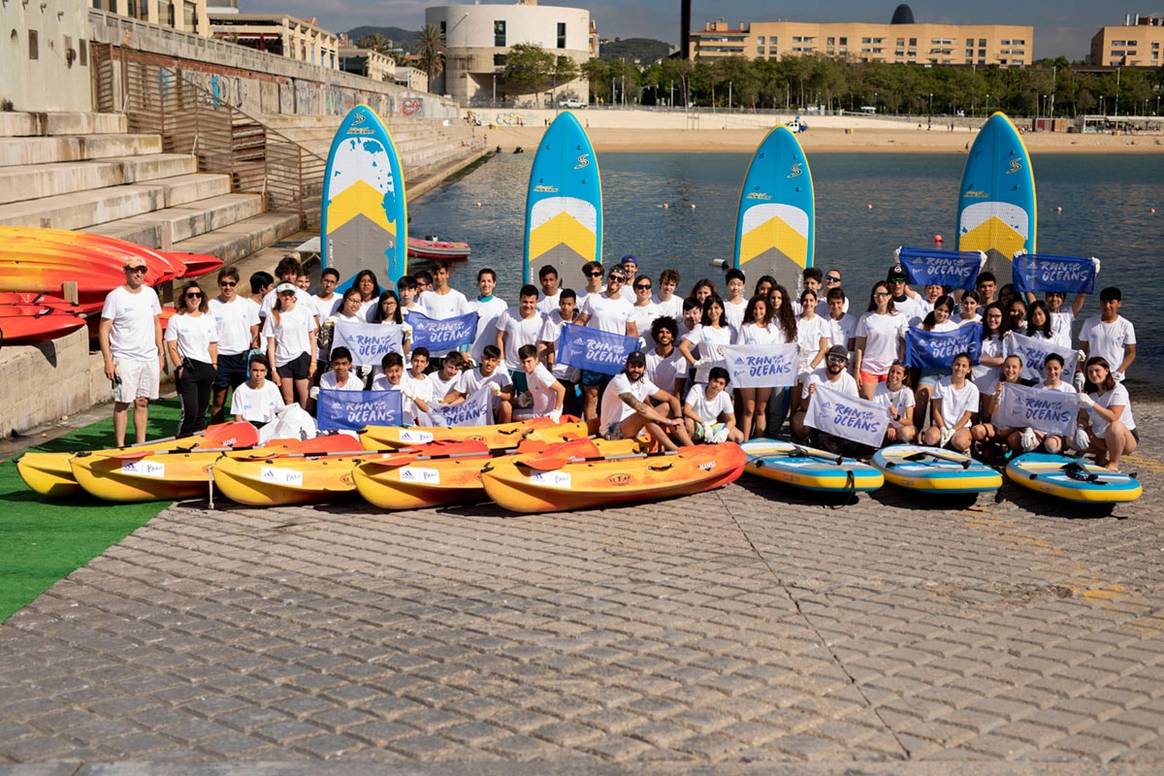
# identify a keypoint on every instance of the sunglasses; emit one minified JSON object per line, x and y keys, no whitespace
{"x":227,"y":284}
{"x":616,"y":279}
{"x":642,"y":287}
{"x":837,"y":360}
{"x":194,"y":295}
{"x":594,"y":274}
{"x":136,"y":269}
{"x":832,"y":279}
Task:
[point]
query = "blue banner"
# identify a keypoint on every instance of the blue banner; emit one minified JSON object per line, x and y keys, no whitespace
{"x":936,"y":349}
{"x":352,"y":410}
{"x":957,"y":269}
{"x":444,"y":335}
{"x":588,"y":348}
{"x":1042,"y":272}
{"x":368,"y":342}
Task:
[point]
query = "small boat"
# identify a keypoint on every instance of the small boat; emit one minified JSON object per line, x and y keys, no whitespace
{"x":553,"y":482}
{"x":1073,"y":479}
{"x":500,"y":436}
{"x":266,"y":478}
{"x":935,"y":470}
{"x":431,"y":481}
{"x":432,"y":248}
{"x":28,"y":324}
{"x":808,"y":468}
{"x":51,"y":474}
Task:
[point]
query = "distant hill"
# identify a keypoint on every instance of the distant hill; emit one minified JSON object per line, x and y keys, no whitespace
{"x":645,"y":50}
{"x":405,"y":39}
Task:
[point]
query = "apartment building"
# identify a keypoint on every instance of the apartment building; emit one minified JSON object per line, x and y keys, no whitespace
{"x":1135,"y":43}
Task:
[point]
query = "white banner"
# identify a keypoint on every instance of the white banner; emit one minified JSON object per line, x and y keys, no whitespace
{"x":1052,"y":412}
{"x":761,"y":366}
{"x":847,"y":417}
{"x":475,"y":410}
{"x":368,"y":342}
{"x":1034,"y":352}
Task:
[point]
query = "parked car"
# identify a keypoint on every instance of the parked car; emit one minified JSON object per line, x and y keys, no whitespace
{"x":571,"y":102}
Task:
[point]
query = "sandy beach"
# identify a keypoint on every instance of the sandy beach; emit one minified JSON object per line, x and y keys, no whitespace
{"x":823,"y":140}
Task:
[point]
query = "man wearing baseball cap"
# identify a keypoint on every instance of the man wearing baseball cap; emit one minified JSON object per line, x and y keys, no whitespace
{"x":130,"y":335}
{"x":833,"y":375}
{"x":627,"y":407}
{"x":905,"y":302}
{"x":630,"y":265}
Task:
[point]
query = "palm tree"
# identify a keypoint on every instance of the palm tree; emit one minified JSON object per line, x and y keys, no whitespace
{"x":431,"y":49}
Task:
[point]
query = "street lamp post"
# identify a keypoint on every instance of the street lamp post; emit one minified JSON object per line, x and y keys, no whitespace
{"x":931,"y":104}
{"x":988,"y":103}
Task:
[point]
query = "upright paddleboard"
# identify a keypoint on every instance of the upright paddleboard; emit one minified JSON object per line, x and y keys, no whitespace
{"x":1072,"y":479}
{"x":364,"y":222}
{"x":997,"y":210}
{"x":563,"y":206}
{"x":775,"y":223}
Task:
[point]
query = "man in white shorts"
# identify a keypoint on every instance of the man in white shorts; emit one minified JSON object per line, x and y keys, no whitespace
{"x":130,"y":334}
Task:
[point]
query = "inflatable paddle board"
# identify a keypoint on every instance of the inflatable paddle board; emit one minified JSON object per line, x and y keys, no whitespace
{"x":775,"y":222}
{"x":1072,"y":479}
{"x":935,"y":470}
{"x":997,"y":211}
{"x":808,"y":468}
{"x":365,"y":210}
{"x":563,"y":205}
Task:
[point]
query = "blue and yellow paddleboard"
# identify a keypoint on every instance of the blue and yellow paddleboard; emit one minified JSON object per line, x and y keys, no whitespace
{"x":997,"y":208}
{"x":1072,"y":479}
{"x":563,"y":206}
{"x":776,"y":219}
{"x":935,"y":470}
{"x":808,"y":468}
{"x":364,"y":222}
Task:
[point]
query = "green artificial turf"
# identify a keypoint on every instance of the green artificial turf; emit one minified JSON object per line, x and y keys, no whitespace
{"x":42,"y":541}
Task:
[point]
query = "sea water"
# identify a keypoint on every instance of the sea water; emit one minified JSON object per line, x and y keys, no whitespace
{"x":867,"y":206}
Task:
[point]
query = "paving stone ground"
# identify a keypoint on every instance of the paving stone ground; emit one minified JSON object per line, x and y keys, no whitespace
{"x":745,"y":626}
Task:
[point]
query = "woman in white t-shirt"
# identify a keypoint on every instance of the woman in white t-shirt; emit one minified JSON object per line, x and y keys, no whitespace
{"x":758,"y":329}
{"x":878,"y":339}
{"x":1109,"y":408}
{"x":986,"y":371}
{"x":939,"y":319}
{"x":987,"y":430}
{"x":347,"y":309}
{"x":952,"y":409}
{"x":813,"y":337}
{"x":1031,"y":438}
{"x":899,"y":401}
{"x":192,"y":345}
{"x":1039,"y":321}
{"x":291,"y":344}
{"x":704,"y":346}
{"x":969,"y":312}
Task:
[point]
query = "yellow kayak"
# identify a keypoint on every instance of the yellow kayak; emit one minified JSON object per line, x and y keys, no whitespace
{"x":501,"y":436}
{"x":51,"y":474}
{"x":260,"y":479}
{"x":424,"y":482}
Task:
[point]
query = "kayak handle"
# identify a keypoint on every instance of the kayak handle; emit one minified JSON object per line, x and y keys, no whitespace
{"x":663,"y":468}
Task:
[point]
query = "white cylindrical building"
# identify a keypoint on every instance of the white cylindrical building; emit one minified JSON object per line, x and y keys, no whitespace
{"x":478,"y":38}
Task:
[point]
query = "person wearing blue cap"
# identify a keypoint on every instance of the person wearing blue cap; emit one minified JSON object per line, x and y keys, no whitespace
{"x":630,"y":265}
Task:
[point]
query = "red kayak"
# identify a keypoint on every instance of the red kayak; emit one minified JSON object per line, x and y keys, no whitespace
{"x":197,"y":264}
{"x":433,"y":248}
{"x":40,"y":300}
{"x":26,"y":329}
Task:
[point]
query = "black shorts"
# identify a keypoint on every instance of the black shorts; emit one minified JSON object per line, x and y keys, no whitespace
{"x":232,"y":371}
{"x":297,"y":369}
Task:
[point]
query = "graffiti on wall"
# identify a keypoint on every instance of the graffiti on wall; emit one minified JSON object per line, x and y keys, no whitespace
{"x":410,"y":106}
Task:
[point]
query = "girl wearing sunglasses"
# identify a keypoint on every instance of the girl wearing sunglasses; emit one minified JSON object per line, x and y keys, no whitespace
{"x":192,"y":345}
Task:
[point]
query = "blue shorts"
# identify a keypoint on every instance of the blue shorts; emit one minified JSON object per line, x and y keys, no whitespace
{"x":590,"y":379}
{"x":232,"y":371}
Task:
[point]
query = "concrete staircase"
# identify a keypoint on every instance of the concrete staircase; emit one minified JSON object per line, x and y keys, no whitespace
{"x":85,"y":171}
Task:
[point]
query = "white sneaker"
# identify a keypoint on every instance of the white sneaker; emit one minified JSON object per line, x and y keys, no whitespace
{"x":1029,"y":441}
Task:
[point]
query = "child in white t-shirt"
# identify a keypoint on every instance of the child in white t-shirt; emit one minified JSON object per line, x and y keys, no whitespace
{"x":548,"y":394}
{"x":486,"y":374}
{"x":258,"y":399}
{"x":708,"y":411}
{"x":899,"y":401}
{"x":954,"y":404}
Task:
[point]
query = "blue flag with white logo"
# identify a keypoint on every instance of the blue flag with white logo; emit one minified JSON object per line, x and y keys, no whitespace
{"x":937,"y":349}
{"x":442,"y":336}
{"x":352,"y":410}
{"x":588,"y":348}
{"x":1043,"y":272}
{"x":957,"y":269}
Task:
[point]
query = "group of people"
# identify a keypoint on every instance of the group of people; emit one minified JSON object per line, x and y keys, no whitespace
{"x":276,"y":347}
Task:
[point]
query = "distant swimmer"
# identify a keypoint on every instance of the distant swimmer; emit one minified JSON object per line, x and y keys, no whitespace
{"x":519,"y":150}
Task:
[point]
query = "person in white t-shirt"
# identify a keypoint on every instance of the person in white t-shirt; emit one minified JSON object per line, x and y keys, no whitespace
{"x":813,"y":339}
{"x":551,"y":291}
{"x":644,"y":311}
{"x":988,"y":429}
{"x":842,"y":326}
{"x":938,"y":319}
{"x":611,"y":313}
{"x":832,"y":282}
{"x":909,"y":306}
{"x":192,"y":344}
{"x":491,"y":374}
{"x":238,"y":324}
{"x":630,"y":266}
{"x":879,"y":339}
{"x":760,"y":329}
{"x":340,"y":377}
{"x":369,"y":287}
{"x":1110,"y":335}
{"x":666,"y":366}
{"x":444,"y":380}
{"x":289,"y":270}
{"x":327,"y":300}
{"x":1030,"y":438}
{"x":632,"y":403}
{"x":258,"y":400}
{"x":443,"y":301}
{"x":1109,"y":409}
{"x":705,"y":345}
{"x":1063,"y":319}
{"x":952,"y":409}
{"x":489,"y":308}
{"x":552,"y":324}
{"x":289,"y":331}
{"x":834,"y":375}
{"x":708,"y":410}
{"x":413,"y":403}
{"x":547,"y":393}
{"x":517,"y":327}
{"x":406,"y":289}
{"x":592,"y":272}
{"x":420,"y":385}
{"x":969,"y":311}
{"x":736,"y":303}
{"x":666,"y":300}
{"x":899,"y":401}
{"x":130,"y":334}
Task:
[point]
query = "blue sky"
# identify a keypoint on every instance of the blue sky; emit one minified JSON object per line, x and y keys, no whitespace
{"x":1062,"y":27}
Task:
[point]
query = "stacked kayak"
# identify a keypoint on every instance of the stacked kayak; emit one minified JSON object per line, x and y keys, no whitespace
{"x":500,"y":436}
{"x":1072,"y":479}
{"x":51,"y":474}
{"x":553,"y":481}
{"x":808,"y":468}
{"x":270,"y":478}
{"x":935,"y":470}
{"x":24,"y":324}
